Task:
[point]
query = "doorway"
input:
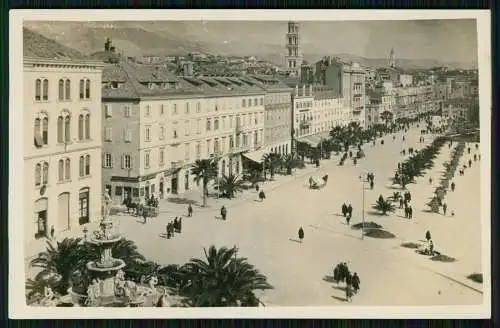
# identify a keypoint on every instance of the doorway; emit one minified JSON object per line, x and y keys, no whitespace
{"x":83,"y":206}
{"x":63,"y":204}
{"x":127,"y":193}
{"x":41,"y":214}
{"x":147,"y":190}
{"x":174,"y":183}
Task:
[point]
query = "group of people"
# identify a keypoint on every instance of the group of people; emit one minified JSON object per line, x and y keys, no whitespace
{"x":341,"y":273}
{"x":371,"y":178}
{"x":347,"y":212}
{"x":404,"y":202}
{"x":421,"y":139}
{"x":173,"y":227}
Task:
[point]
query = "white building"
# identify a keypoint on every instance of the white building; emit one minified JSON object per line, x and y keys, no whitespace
{"x":62,"y":143}
{"x":156,"y":125}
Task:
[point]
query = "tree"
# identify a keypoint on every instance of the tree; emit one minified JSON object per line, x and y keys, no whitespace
{"x":230,"y":185}
{"x":221,"y":279}
{"x":271,"y":162}
{"x":386,"y":116}
{"x":289,"y":163}
{"x":253,"y":176}
{"x":384,"y":206}
{"x":205,"y":170}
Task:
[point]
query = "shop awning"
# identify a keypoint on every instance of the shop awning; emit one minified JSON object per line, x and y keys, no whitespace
{"x":255,"y":156}
{"x":314,"y":139}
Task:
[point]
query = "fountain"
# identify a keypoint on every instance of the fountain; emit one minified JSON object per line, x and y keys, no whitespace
{"x":108,"y":286}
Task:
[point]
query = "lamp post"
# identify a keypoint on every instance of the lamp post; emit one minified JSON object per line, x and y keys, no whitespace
{"x":363,"y":207}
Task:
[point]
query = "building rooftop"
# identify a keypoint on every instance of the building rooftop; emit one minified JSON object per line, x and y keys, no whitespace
{"x":38,"y":46}
{"x":136,"y":81}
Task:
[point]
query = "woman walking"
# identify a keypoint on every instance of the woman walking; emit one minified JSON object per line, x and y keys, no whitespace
{"x":301,"y":234}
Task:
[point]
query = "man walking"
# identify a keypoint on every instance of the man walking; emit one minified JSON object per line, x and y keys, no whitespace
{"x":223,"y":212}
{"x":349,"y":210}
{"x":190,"y":211}
{"x":444,"y":208}
{"x":301,"y":234}
{"x":344,"y":209}
{"x":410,"y":213}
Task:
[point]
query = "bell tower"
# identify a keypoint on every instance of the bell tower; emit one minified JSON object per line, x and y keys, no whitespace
{"x":392,"y":59}
{"x":293,"y":56}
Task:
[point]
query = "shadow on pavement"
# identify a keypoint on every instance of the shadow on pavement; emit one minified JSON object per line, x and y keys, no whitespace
{"x":182,"y":201}
{"x":295,"y":240}
{"x":342,"y":299}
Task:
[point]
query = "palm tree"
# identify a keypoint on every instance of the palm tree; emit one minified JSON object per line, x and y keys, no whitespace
{"x":221,"y":279}
{"x":230,"y":185}
{"x":253,"y":176}
{"x":386,"y":116}
{"x":271,"y":162}
{"x":204,"y":170}
{"x":61,"y":261}
{"x":384,"y":206}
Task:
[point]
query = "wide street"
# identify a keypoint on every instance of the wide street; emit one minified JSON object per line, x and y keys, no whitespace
{"x":266,"y":234}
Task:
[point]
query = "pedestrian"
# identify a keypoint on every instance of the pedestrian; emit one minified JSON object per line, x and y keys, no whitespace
{"x":406,"y":212}
{"x":477,"y":146}
{"x":223,"y":212}
{"x":393,"y":138}
{"x":401,"y":202}
{"x":475,"y":157}
{"x":344,"y":209}
{"x":404,"y":137}
{"x":452,"y":213}
{"x":167,"y":230}
{"x":430,"y":180}
{"x":428,"y":235}
{"x":144,"y":215}
{"x":452,"y":186}
{"x":301,"y":234}
{"x":470,"y":162}
{"x":355,"y":161}
{"x":468,"y":150}
{"x":262,"y":195}
{"x":348,"y":218}
{"x":410,"y":213}
{"x":371,"y":184}
{"x":349,"y":209}
{"x":179,"y":225}
{"x":444,"y":208}
{"x":190,"y":210}
{"x":176,"y":225}
{"x":355,"y":282}
{"x":257,"y":187}
{"x":431,"y":247}
{"x":409,"y":197}
{"x":348,"y":293}
{"x":52,"y":232}
{"x":336,"y":274}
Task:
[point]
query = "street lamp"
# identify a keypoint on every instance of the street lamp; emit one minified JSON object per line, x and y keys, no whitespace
{"x":363,"y":207}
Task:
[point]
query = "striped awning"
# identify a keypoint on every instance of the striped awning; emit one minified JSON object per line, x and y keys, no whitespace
{"x":256,"y":156}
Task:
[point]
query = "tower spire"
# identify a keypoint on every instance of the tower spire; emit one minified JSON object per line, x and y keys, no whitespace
{"x":293,"y":56}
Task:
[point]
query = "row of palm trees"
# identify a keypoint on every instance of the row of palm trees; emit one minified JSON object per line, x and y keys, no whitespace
{"x":222,"y":278}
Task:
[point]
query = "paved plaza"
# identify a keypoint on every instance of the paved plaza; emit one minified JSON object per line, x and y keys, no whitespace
{"x":266,"y":233}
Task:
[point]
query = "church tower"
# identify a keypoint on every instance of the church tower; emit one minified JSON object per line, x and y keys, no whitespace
{"x":293,"y":55}
{"x":392,"y":59}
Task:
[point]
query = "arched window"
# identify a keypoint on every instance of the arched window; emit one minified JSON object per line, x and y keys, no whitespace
{"x":87,"y":89}
{"x":80,"y":127}
{"x":67,"y":127}
{"x":37,"y":135}
{"x":67,"y":169}
{"x":61,"y":170}
{"x":38,"y":89}
{"x":61,"y":89}
{"x":67,"y":88}
{"x":45,"y":130}
{"x":45,"y":93}
{"x":87,"y":165}
{"x":45,"y":173}
{"x":60,"y":129}
{"x":82,"y":87}
{"x":38,"y":174}
{"x":82,"y":166}
{"x":87,"y":126}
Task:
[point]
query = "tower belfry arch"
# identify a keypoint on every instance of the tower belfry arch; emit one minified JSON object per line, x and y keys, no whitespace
{"x":293,"y":55}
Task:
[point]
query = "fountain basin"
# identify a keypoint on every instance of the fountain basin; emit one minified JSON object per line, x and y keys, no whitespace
{"x":112,"y":265}
{"x":111,"y":240}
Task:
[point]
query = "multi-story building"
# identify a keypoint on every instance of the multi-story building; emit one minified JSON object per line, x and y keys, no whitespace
{"x":347,"y":81}
{"x":62,"y":144}
{"x":156,"y":125}
{"x":278,"y":114}
{"x":414,"y":100}
{"x":379,"y":99}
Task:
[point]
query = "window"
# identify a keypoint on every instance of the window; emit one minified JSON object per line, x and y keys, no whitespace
{"x":216,"y":146}
{"x":38,"y":174}
{"x":250,"y":102}
{"x":255,"y":138}
{"x":63,"y":128}
{"x":147,"y":159}
{"x":198,"y":107}
{"x":186,"y":128}
{"x":231,"y":121}
{"x":255,"y":119}
{"x":261,"y":101}
{"x":108,"y":160}
{"x":127,"y":111}
{"x":67,"y":89}
{"x":198,"y":126}
{"x":231,"y":142}
{"x":87,"y":126}
{"x":216,"y":124}
{"x":162,"y":132}
{"x":162,"y":109}
{"x":209,"y":147}
{"x":87,"y":89}
{"x":127,"y":135}
{"x":126,"y":161}
{"x":38,"y":90}
{"x":174,"y":132}
{"x":198,"y":150}
{"x":67,"y":169}
{"x":82,"y":87}
{"x":208,"y":124}
{"x":174,"y":109}
{"x":147,"y":111}
{"x":84,"y":165}
{"x":161,"y":160}
{"x":244,"y":103}
{"x":45,"y":173}
{"x":108,"y":111}
{"x":186,"y":152}
{"x":223,"y":144}
{"x":186,"y":111}
{"x":45,"y":93}
{"x":44,"y":135}
{"x":61,"y":170}
{"x":108,"y":134}
{"x":147,"y":133}
{"x":61,"y":89}
{"x":255,"y":102}
{"x":60,"y":129}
